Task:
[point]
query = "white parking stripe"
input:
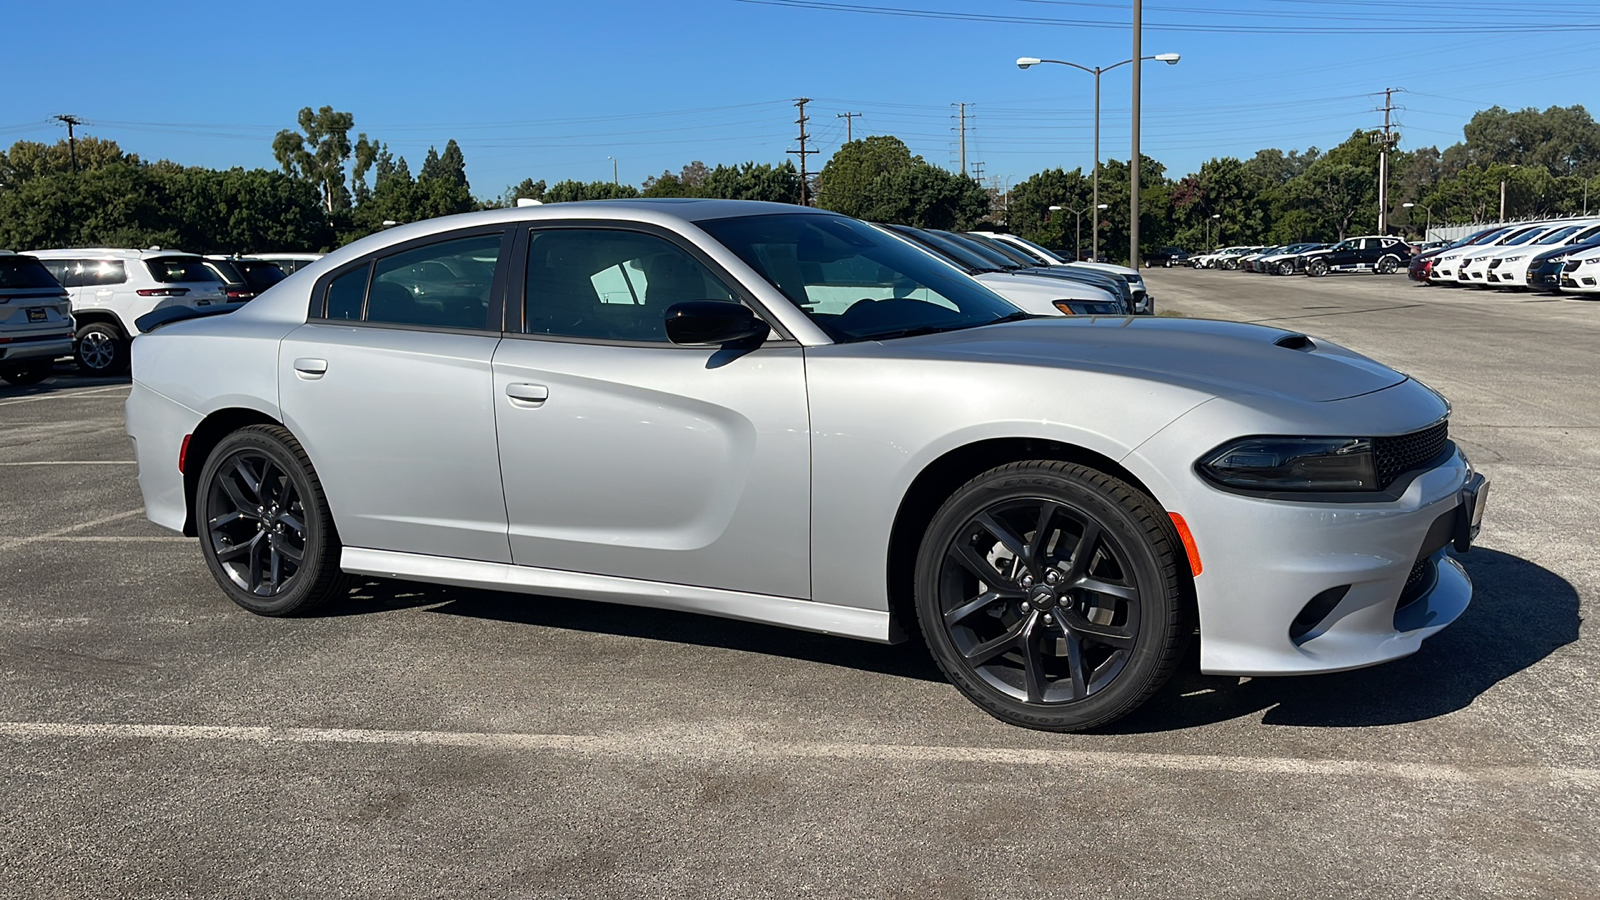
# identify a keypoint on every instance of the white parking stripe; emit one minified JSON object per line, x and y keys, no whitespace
{"x":674,"y":744}
{"x":63,"y":395}
{"x":73,"y":462}
{"x":117,"y":539}
{"x":14,"y":543}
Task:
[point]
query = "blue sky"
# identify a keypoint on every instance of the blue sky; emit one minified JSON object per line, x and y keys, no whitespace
{"x":551,"y":89}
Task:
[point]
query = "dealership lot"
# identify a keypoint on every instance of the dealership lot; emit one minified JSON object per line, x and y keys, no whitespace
{"x":427,"y":741}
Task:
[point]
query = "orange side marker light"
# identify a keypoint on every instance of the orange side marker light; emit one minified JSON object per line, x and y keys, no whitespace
{"x":1188,"y":543}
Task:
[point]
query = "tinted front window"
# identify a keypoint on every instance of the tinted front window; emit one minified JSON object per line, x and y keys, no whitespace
{"x":25,"y":272}
{"x":178,"y":269}
{"x":611,"y":285}
{"x":854,"y":281}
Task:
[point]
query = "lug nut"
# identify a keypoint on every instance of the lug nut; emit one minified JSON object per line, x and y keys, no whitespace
{"x":1027,"y":581}
{"x":1052,"y":577}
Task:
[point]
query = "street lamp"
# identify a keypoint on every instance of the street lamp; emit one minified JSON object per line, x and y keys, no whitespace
{"x":1170,"y":59}
{"x":613,"y":169}
{"x":1215,"y":217}
{"x":1503,"y":195}
{"x":1077,"y":234}
{"x":1429,"y":226}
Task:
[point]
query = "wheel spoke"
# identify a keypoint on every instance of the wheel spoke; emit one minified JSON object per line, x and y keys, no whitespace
{"x":975,"y":563}
{"x":1032,"y":661}
{"x":255,"y":565}
{"x":977,"y":604}
{"x":274,"y":565}
{"x":1084,"y":549}
{"x":249,"y":479}
{"x":988,"y":650}
{"x":291,"y":552}
{"x":228,"y":519}
{"x":1075,"y":668}
{"x":1098,"y":586}
{"x":291,"y":521}
{"x":241,"y":505}
{"x":237,"y":550}
{"x":1007,"y":538}
{"x":1078,"y":627}
{"x":1041,"y":533}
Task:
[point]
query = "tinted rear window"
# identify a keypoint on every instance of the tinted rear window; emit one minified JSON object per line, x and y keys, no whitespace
{"x":225,"y":270}
{"x":175,"y":269}
{"x":25,"y":272}
{"x":261,"y":275}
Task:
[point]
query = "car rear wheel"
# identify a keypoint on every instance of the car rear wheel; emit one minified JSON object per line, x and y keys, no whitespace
{"x":1285,"y":268}
{"x":101,"y":349}
{"x":1387,"y":265}
{"x":1317,"y":268}
{"x":25,"y":373}
{"x":265,"y":529}
{"x":1050,"y":595}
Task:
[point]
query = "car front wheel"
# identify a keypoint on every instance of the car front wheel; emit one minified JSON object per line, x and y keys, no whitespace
{"x":101,"y":349}
{"x":265,"y":529}
{"x":1050,"y":595}
{"x":1316,"y":268}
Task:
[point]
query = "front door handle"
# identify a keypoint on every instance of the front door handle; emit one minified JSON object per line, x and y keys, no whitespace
{"x":307,"y":367}
{"x":528,"y":394}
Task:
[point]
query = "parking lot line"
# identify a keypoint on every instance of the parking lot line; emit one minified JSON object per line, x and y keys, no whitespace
{"x":117,"y":539}
{"x":62,"y":396}
{"x":14,"y":543}
{"x":678,"y":743}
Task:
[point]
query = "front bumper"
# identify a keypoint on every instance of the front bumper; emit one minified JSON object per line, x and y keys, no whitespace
{"x":1296,"y":586}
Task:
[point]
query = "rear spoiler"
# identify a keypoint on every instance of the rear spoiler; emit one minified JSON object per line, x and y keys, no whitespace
{"x":161,"y":318}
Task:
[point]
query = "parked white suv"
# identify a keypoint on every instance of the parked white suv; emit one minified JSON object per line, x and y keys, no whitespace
{"x":110,"y":289}
{"x":35,"y":320}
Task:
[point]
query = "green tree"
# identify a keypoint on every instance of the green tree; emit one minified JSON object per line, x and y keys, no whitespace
{"x":847,"y":181}
{"x":569,"y":191}
{"x":317,"y":153}
{"x":927,"y":197}
{"x":32,"y":159}
{"x":752,"y":181}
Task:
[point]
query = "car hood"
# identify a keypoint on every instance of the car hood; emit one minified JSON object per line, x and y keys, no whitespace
{"x":1225,"y":358}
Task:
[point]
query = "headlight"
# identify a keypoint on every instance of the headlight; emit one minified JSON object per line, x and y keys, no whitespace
{"x":1556,"y":259}
{"x":1591,"y":261}
{"x":1293,"y":464}
{"x":1515,"y":258}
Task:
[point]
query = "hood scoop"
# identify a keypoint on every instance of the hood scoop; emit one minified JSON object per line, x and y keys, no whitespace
{"x":1296,"y":342}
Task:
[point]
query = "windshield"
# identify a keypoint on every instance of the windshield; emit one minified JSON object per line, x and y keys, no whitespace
{"x":964,"y":257}
{"x":1011,"y":255}
{"x":225,"y":271}
{"x":981,"y":257}
{"x":1555,"y":237}
{"x":25,"y":272}
{"x":855,"y":282}
{"x":1058,"y":258}
{"x":1521,"y":237}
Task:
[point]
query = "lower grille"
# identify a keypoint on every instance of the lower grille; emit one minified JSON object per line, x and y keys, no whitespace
{"x":1397,"y":455}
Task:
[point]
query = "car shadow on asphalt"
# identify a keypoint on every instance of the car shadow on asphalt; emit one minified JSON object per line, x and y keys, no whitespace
{"x":1520,"y":613}
{"x":904,"y":660}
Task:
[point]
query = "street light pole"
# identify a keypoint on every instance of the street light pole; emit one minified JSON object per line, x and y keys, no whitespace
{"x":613,"y":169}
{"x":1133,"y":166}
{"x":1077,"y":231}
{"x":1429,"y":226}
{"x":1215,"y":217}
{"x":1170,"y":59}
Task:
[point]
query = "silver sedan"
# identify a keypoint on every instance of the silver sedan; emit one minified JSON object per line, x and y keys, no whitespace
{"x":784,"y":415}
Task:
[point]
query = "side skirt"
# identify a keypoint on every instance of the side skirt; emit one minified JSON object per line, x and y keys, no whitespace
{"x":807,"y":615}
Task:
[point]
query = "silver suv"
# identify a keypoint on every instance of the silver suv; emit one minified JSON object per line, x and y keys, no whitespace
{"x":111,"y":288}
{"x":35,"y":320}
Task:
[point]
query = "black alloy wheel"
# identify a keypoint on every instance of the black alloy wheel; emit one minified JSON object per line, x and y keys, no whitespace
{"x":265,"y":529}
{"x":100,"y":349}
{"x":1050,"y":594}
{"x":1387,"y":265}
{"x":1317,"y":268}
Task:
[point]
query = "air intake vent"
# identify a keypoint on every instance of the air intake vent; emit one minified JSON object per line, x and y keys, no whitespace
{"x":1295,"y":342}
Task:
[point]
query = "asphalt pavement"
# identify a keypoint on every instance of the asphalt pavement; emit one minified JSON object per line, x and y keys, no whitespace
{"x":420,"y":741}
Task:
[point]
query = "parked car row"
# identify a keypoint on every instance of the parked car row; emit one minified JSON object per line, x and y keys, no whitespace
{"x":1560,"y":255}
{"x":87,"y":301}
{"x":1379,"y":254}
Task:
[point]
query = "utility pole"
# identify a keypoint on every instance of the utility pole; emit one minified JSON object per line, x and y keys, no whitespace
{"x":1133,"y":164}
{"x":962,"y":130}
{"x":72,"y":143}
{"x":1385,"y":140}
{"x":805,"y":186}
{"x":977,"y":173}
{"x":849,"y":118}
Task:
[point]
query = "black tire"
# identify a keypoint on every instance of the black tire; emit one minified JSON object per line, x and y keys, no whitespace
{"x":1317,"y":268}
{"x":1230,"y":264}
{"x":1285,"y":268}
{"x":27,"y":373}
{"x":101,"y":349}
{"x":1387,"y":265}
{"x":257,"y":503}
{"x":1034,"y":645}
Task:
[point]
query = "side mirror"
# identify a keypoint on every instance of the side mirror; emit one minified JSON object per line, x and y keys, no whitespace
{"x":712,"y":322}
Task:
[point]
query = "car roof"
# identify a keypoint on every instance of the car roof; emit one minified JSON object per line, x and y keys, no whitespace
{"x":107,"y":253}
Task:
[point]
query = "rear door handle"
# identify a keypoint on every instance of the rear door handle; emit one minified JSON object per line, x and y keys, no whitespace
{"x":307,"y":367}
{"x":527,"y":394}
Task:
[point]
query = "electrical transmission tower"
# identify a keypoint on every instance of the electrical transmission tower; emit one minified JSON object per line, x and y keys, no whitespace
{"x":805,"y":185}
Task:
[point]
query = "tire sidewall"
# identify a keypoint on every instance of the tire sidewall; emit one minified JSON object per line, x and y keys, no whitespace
{"x":119,"y":356}
{"x":316,"y":530}
{"x":1157,"y":591}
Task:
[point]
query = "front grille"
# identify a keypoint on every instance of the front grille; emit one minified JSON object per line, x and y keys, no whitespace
{"x":1398,"y":455}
